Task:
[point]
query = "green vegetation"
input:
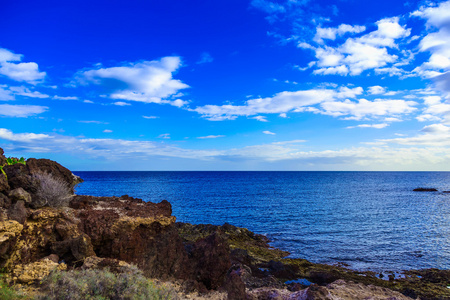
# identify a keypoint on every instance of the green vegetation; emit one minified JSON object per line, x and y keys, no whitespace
{"x":12,"y":161}
{"x":9,"y":293}
{"x":103,"y":284}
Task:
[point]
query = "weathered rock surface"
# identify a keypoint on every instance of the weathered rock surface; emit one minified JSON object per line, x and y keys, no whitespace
{"x":19,"y":194}
{"x":35,"y":272}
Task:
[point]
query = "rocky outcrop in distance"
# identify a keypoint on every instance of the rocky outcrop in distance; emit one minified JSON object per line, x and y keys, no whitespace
{"x":37,"y":238}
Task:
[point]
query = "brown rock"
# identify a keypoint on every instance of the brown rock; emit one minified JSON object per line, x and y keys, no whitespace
{"x":4,"y":186}
{"x":18,"y":212}
{"x":211,"y":257}
{"x":2,"y":157}
{"x":134,"y":231}
{"x":36,"y":271}
{"x":19,"y":194}
{"x":43,"y":233}
{"x":21,"y":176}
{"x":10,"y":231}
{"x":235,"y":287}
{"x":5,"y":202}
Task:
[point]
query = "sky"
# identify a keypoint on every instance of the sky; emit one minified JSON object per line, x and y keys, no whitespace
{"x":293,"y":85}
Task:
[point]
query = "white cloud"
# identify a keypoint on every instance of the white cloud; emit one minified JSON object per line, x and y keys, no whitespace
{"x":88,"y":101}
{"x":210,"y":137}
{"x":260,"y":118}
{"x":164,"y":136}
{"x":10,"y":66}
{"x":146,"y":81}
{"x":65,"y":97}
{"x":268,"y":132}
{"x":107,"y":131}
{"x":5,"y":94}
{"x":437,"y":43}
{"x":376,"y":90}
{"x":121,"y":103}
{"x":377,"y":126}
{"x":357,"y":55}
{"x":331,"y":33}
{"x":282,"y":102}
{"x":8,"y":135}
{"x":21,"y":111}
{"x":150,"y":117}
{"x":365,"y":108}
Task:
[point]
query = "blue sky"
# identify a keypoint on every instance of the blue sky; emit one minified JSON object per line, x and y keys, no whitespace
{"x":227,"y":85}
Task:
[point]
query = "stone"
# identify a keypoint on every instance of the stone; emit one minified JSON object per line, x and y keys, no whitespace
{"x":4,"y":186}
{"x":5,"y":202}
{"x":18,"y":212}
{"x":235,"y":287}
{"x":211,"y":257}
{"x":2,"y":157}
{"x":19,"y":194}
{"x":36,"y":271}
{"x":10,"y":231}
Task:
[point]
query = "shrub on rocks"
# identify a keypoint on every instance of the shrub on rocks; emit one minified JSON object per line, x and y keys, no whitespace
{"x":51,"y":191}
{"x":103,"y":284}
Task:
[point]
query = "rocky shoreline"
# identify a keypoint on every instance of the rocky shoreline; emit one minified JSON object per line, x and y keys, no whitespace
{"x":199,"y":261}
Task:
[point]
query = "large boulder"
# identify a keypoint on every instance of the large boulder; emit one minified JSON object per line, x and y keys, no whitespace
{"x":38,"y":173}
{"x":47,"y":231}
{"x":134,"y":231}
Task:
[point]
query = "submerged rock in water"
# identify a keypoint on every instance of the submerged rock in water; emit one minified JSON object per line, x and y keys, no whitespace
{"x":425,"y":190}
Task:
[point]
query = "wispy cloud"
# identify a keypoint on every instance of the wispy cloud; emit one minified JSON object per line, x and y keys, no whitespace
{"x":377,"y":126}
{"x":150,"y":117}
{"x":268,"y":132}
{"x":205,"y":58}
{"x":21,"y":111}
{"x":210,"y":137}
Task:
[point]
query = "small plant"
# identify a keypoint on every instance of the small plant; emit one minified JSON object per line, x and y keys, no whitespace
{"x":52,"y":191}
{"x":12,"y":161}
{"x":103,"y":284}
{"x":9,"y":293}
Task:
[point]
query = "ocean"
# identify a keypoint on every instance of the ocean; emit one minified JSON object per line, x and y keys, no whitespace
{"x":368,"y":220}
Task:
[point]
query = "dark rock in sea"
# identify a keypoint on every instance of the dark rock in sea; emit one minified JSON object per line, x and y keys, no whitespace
{"x":425,"y":190}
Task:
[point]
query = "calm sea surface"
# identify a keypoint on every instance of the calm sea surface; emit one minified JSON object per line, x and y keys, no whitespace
{"x":369,"y":220}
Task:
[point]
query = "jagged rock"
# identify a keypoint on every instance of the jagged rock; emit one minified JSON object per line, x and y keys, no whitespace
{"x":5,"y":202}
{"x":48,"y":230}
{"x":19,"y":194}
{"x":134,"y":231}
{"x":22,"y":176}
{"x":9,"y":233}
{"x":212,"y":260}
{"x":35,"y":272}
{"x":18,"y":212}
{"x":4,"y":186}
{"x":235,"y":287}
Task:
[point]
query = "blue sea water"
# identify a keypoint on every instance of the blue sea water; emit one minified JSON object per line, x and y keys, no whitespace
{"x":368,"y":220}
